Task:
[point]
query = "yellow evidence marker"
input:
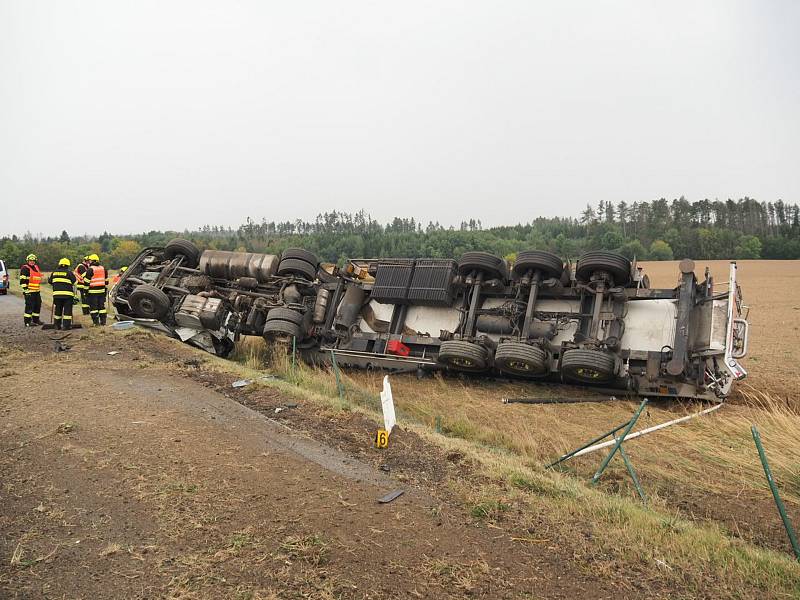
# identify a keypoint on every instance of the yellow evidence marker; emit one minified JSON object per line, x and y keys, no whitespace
{"x":382,"y":438}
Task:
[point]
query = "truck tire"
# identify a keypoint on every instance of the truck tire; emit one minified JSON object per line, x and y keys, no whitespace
{"x":531,"y":260}
{"x":617,"y":265}
{"x":301,"y":254}
{"x":522,"y":360}
{"x":298,"y":267}
{"x":149,"y":302}
{"x":493,"y":267}
{"x":285,"y":314}
{"x":278,"y":329}
{"x":185,"y":248}
{"x":588,"y":366}
{"x":463,"y":356}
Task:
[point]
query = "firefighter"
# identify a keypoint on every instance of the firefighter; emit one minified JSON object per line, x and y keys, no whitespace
{"x":82,"y":284}
{"x":116,"y":278}
{"x":30,"y":280}
{"x":97,"y":278}
{"x":62,"y":281}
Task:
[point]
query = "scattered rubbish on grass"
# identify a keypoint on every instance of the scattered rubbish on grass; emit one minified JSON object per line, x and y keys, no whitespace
{"x":385,"y":468}
{"x":113,"y":353}
{"x":120,"y":325}
{"x":280,"y":409}
{"x":239,"y":383}
{"x":60,"y":347}
{"x":391,"y":496}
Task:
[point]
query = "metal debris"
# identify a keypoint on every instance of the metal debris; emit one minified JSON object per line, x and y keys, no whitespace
{"x":391,"y":496}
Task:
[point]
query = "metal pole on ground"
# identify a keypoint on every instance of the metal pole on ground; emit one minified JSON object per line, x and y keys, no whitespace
{"x":339,"y":386}
{"x":572,"y":453}
{"x":632,"y":473}
{"x":618,"y":444}
{"x":778,"y":502}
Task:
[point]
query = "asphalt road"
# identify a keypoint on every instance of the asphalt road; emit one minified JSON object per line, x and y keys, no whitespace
{"x":11,"y":306}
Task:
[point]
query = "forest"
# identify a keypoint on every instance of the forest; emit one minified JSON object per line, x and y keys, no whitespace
{"x":655,"y":230}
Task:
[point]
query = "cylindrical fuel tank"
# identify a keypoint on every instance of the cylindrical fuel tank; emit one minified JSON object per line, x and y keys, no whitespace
{"x":222,"y":264}
{"x":350,"y":307}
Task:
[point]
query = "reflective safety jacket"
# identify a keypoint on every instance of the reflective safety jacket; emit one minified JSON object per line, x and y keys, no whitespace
{"x":62,"y":282}
{"x":30,"y":278}
{"x":80,"y":274}
{"x":97,"y":276}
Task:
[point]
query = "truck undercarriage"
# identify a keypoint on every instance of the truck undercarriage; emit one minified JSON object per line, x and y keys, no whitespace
{"x":595,"y":323}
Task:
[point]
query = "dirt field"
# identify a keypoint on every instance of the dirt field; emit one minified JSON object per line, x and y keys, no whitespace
{"x":137,"y":478}
{"x":153,"y":477}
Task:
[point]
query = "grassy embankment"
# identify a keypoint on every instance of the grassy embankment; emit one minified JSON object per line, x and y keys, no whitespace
{"x":710,"y":461}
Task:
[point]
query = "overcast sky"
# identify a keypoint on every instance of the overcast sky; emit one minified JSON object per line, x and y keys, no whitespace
{"x":131,"y":116}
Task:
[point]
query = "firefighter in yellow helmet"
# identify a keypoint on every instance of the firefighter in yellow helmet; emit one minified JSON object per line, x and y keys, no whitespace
{"x":63,"y":281}
{"x":117,"y":277}
{"x":82,"y":284}
{"x":97,"y":278}
{"x":30,"y":280}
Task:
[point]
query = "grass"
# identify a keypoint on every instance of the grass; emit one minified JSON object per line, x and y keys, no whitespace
{"x":312,"y":549}
{"x":711,"y":459}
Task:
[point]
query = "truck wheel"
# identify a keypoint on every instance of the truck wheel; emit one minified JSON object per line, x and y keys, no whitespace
{"x":185,"y":248}
{"x":617,"y":265}
{"x":588,"y":366}
{"x":490,"y":265}
{"x":531,"y":260}
{"x":300,"y":254}
{"x":282,"y":330}
{"x":463,"y":356}
{"x":521,"y":359}
{"x":296,"y":266}
{"x":149,"y":302}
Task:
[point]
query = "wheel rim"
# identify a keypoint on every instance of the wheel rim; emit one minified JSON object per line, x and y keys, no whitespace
{"x":459,"y":361}
{"x":520,"y":366}
{"x":146,"y":305}
{"x":588,"y":373}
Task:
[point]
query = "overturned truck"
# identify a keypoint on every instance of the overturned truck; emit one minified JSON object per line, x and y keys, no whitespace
{"x":595,"y":323}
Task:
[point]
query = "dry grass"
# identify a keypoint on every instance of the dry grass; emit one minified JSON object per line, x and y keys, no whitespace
{"x":710,"y":458}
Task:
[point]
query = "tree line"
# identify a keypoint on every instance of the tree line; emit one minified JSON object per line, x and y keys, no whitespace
{"x":656,"y":230}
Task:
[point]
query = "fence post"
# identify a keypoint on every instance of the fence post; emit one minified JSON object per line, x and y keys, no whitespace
{"x":339,"y":386}
{"x":778,"y":502}
{"x":620,"y":439}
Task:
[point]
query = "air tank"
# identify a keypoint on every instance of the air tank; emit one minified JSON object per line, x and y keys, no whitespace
{"x":321,"y":305}
{"x":350,"y":307}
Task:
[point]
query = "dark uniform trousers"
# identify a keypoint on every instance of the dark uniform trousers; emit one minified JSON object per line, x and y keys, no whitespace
{"x":97,"y":306}
{"x":33,"y":306}
{"x":62,"y":312}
